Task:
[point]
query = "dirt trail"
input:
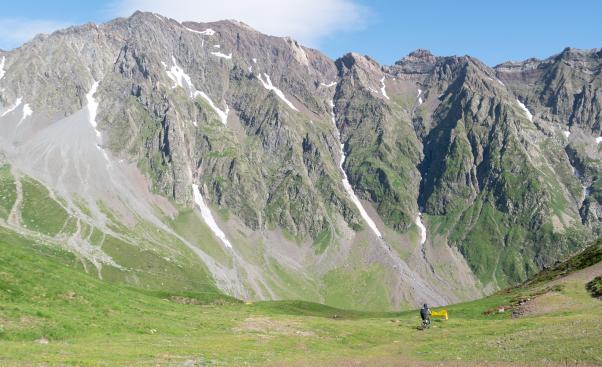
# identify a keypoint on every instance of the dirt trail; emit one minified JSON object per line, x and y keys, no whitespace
{"x":584,"y":275}
{"x":14,"y":217}
{"x":555,"y":301}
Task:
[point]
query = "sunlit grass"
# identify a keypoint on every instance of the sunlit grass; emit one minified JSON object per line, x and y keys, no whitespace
{"x":89,"y":322}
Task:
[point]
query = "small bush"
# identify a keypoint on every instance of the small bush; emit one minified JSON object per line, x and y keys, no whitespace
{"x":595,"y":287}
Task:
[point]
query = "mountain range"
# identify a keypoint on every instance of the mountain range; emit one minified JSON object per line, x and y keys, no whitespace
{"x":195,"y":156}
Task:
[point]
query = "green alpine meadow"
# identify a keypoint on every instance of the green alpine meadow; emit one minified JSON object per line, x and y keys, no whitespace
{"x":203,"y":194}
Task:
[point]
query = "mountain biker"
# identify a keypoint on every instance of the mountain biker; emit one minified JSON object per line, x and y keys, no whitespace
{"x":425,"y":314}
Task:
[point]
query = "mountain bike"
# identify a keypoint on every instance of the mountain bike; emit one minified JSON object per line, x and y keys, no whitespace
{"x":426,"y":323}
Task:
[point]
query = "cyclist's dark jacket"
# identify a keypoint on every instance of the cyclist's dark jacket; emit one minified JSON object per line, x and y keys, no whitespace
{"x":424,"y":313}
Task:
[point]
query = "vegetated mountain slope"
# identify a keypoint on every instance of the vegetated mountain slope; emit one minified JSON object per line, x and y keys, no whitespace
{"x":490,"y":178}
{"x":347,"y":182}
{"x":587,"y":261}
{"x":564,"y":93}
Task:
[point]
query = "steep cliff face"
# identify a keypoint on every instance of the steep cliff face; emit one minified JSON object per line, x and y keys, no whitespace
{"x":565,"y":94}
{"x":223,"y":122}
{"x":344,"y":182}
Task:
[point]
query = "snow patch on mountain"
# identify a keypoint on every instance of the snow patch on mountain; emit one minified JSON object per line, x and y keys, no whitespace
{"x":383,"y":88}
{"x":222,"y":55}
{"x":347,"y":184}
{"x":217,"y":46}
{"x":180,"y":78}
{"x":206,"y":32}
{"x":2,"y":72}
{"x":92,"y":107}
{"x":269,"y":86}
{"x":13,"y":107}
{"x":223,"y":115}
{"x":525,"y":110}
{"x":27,"y":111}
{"x":566,"y":133}
{"x":208,"y":217}
{"x":599,"y":140}
{"x":421,"y":227}
{"x":331,"y":84}
{"x":104,"y":153}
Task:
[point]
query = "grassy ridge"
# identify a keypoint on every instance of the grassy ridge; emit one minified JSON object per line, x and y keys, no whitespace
{"x":45,"y":294}
{"x":588,"y":257}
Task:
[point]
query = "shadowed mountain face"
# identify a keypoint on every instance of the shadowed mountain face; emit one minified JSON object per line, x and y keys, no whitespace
{"x":186,"y":155}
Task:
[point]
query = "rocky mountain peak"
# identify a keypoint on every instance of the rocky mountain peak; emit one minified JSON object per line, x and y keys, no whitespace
{"x":420,"y":61}
{"x":529,"y":64}
{"x":355,"y":60}
{"x":573,"y":53}
{"x":421,"y":54}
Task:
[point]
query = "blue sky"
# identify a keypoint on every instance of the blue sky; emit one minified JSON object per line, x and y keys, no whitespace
{"x":386,"y":30}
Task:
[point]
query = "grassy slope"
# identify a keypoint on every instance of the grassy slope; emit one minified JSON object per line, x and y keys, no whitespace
{"x":44,"y":294}
{"x":39,"y":211}
{"x":158,"y":261}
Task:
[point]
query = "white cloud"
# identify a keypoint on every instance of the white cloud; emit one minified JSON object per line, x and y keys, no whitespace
{"x":15,"y":31}
{"x":305,"y":20}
